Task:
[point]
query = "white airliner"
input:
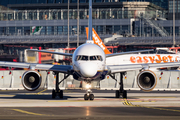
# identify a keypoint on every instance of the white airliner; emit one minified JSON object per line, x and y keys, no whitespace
{"x":89,"y":63}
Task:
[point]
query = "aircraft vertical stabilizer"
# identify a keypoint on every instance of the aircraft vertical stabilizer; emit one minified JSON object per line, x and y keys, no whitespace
{"x":97,"y":40}
{"x":90,"y":20}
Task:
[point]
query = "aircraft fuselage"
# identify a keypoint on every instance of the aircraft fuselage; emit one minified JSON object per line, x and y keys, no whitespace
{"x":89,"y":62}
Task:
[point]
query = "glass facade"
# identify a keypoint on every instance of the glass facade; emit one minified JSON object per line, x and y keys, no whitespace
{"x":63,"y":30}
{"x":60,"y":16}
{"x":161,"y":3}
{"x":125,"y":30}
{"x":139,"y":29}
{"x":63,"y":14}
{"x":177,"y":6}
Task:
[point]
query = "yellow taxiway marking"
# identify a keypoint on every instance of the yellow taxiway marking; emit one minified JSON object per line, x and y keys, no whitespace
{"x":126,"y":102}
{"x":41,"y":91}
{"x":23,"y":111}
{"x":7,"y":95}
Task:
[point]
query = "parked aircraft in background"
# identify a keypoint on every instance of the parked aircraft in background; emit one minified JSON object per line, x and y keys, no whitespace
{"x":90,"y":63}
{"x":163,"y":56}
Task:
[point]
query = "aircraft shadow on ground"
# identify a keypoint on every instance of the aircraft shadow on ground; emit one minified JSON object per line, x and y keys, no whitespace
{"x":37,"y":97}
{"x":49,"y":97}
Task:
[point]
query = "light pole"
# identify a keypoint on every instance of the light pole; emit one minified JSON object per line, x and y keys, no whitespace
{"x":77,"y":23}
{"x":174,"y":40}
{"x":68,"y":26}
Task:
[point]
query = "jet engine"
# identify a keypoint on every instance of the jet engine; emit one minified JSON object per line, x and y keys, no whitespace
{"x":147,"y":80}
{"x":31,"y":80}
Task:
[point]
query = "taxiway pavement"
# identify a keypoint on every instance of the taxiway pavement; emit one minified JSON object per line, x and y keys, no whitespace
{"x":138,"y":105}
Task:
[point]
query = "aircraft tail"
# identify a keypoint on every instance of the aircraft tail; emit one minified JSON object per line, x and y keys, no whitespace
{"x":97,"y":40}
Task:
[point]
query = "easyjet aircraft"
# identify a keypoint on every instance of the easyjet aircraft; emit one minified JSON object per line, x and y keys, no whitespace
{"x":89,"y":63}
{"x":164,"y":57}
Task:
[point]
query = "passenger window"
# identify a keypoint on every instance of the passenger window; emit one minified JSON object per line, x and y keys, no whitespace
{"x":84,"y":58}
{"x":92,"y":57}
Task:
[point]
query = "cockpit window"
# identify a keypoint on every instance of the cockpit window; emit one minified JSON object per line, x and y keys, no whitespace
{"x":78,"y":57}
{"x":84,"y":58}
{"x":99,"y":58}
{"x":92,"y":57}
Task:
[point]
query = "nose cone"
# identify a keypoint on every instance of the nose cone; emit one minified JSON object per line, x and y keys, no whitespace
{"x":88,"y":69}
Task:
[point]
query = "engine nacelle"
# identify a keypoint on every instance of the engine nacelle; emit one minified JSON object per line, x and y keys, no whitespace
{"x":147,"y":80}
{"x":31,"y":80}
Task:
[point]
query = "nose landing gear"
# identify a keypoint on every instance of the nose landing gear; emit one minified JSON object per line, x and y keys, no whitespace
{"x":89,"y":95}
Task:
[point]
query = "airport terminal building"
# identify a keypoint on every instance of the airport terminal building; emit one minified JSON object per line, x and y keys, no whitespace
{"x":33,"y":22}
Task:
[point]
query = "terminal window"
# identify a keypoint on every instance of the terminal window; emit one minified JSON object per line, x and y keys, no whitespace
{"x":50,"y":1}
{"x":27,"y":1}
{"x":58,"y":1}
{"x":42,"y":1}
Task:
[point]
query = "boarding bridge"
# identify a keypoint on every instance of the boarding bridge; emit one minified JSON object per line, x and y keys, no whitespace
{"x":166,"y":80}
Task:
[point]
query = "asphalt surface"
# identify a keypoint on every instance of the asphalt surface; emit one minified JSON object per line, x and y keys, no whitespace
{"x":38,"y":105}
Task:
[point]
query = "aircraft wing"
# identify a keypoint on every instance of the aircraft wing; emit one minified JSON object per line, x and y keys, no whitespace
{"x":33,"y":66}
{"x":129,"y":67}
{"x":58,"y":53}
{"x":124,"y":53}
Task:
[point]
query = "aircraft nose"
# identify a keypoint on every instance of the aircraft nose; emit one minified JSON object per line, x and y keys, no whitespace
{"x":88,"y":69}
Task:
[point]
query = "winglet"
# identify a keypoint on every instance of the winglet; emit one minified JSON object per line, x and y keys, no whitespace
{"x":97,"y":40}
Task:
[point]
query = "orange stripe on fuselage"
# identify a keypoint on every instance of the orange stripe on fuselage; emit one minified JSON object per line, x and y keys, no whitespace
{"x":97,"y":40}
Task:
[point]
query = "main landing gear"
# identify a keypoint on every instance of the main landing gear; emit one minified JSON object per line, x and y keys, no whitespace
{"x":88,"y":95}
{"x":121,"y":91}
{"x":57,"y":91}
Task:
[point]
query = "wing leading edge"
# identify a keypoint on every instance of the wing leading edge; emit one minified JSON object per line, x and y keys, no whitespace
{"x":124,"y":53}
{"x":33,"y":66}
{"x":58,"y":53}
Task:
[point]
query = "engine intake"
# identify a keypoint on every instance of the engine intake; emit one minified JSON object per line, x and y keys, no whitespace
{"x":147,"y":80}
{"x":31,"y":80}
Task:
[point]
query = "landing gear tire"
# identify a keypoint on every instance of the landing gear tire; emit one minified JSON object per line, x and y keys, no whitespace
{"x":117,"y":94}
{"x":53,"y":94}
{"x":125,"y":94}
{"x":86,"y":97}
{"x":61,"y":94}
{"x":91,"y":97}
